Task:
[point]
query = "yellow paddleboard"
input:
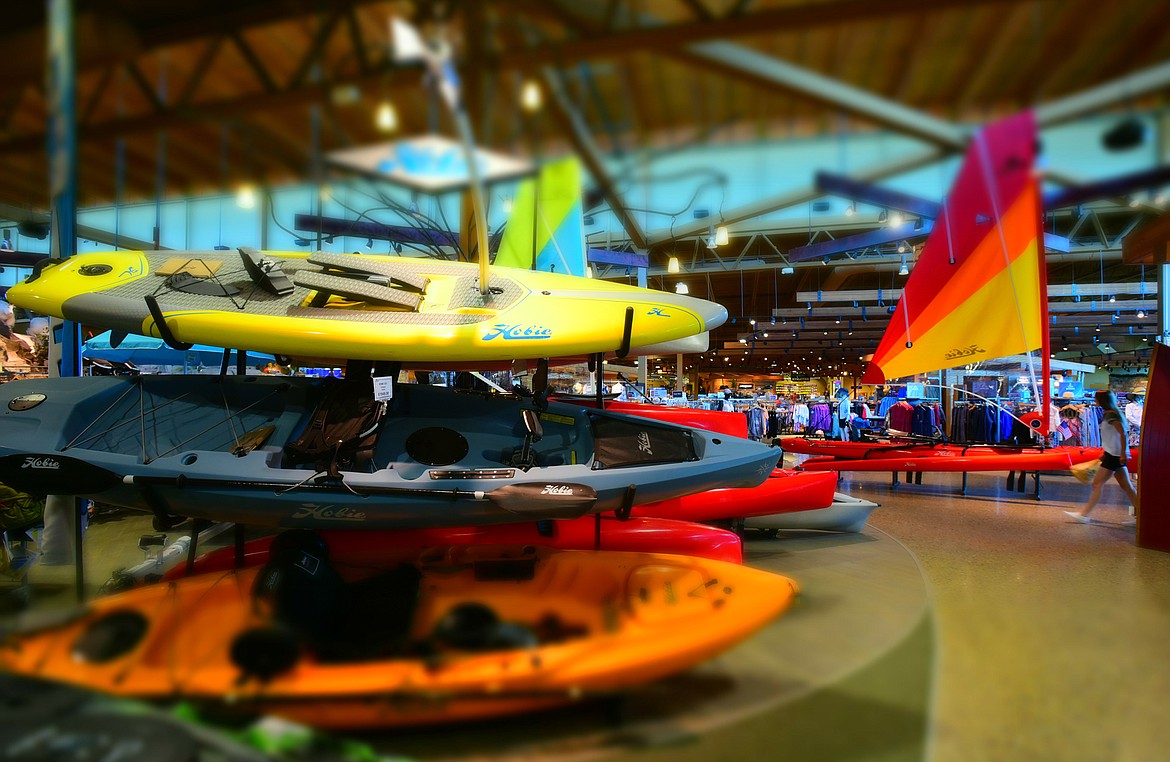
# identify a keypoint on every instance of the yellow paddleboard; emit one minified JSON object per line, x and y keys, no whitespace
{"x":364,"y":307}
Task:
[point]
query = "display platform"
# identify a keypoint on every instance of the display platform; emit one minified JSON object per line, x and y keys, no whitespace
{"x":846,"y":673}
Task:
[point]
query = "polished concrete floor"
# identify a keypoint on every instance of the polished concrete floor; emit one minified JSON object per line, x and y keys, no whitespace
{"x":1050,"y":636}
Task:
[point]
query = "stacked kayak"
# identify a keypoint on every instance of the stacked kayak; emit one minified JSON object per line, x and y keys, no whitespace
{"x":600,"y":532}
{"x":440,"y":635}
{"x":844,"y":514}
{"x":902,"y":456}
{"x":260,"y":450}
{"x":365,"y":307}
{"x":783,"y":491}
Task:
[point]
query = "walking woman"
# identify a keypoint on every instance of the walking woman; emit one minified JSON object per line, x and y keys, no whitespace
{"x":1113,"y":440}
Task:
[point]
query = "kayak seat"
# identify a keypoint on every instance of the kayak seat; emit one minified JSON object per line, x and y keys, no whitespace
{"x":339,"y":621}
{"x":473,"y":626}
{"x":342,"y":433}
{"x":380,"y":617}
{"x":301,"y":588}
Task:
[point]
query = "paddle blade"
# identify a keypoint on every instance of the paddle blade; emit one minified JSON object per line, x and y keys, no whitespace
{"x":49,"y":474}
{"x":545,"y":500}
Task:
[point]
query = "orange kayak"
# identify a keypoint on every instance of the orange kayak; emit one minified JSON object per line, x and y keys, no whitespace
{"x":446,"y":635}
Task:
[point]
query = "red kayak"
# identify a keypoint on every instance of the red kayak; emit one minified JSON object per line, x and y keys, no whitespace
{"x":784,"y":492}
{"x":949,"y":457}
{"x":368,"y":547}
{"x":732,"y":424}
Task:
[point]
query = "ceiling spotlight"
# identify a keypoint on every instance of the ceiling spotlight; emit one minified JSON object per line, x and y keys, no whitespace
{"x":1141,"y":314}
{"x":246,"y":196}
{"x":369,"y":243}
{"x":883,"y":217}
{"x":896,"y":219}
{"x":530,"y":96}
{"x":901,"y":247}
{"x":1112,"y":299}
{"x":681,"y":288}
{"x":903,"y":270}
{"x":850,"y":210}
{"x":386,"y":117}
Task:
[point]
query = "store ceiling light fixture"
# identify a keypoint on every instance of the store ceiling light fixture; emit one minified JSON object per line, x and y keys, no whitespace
{"x":246,"y":196}
{"x":721,"y":236}
{"x":672,"y":265}
{"x":681,"y":288}
{"x":386,"y":117}
{"x":903,"y":270}
{"x":531,"y":98}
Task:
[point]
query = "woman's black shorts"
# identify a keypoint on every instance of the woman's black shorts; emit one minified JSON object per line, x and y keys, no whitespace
{"x":1112,"y":462}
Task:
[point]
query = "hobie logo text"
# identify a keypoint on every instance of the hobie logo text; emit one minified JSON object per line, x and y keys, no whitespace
{"x":328,"y":513}
{"x":644,"y":443}
{"x":43,"y":463}
{"x":514,"y":332}
{"x":968,"y":351}
{"x":556,"y":489}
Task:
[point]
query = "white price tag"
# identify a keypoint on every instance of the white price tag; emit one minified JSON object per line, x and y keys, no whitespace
{"x":384,"y":387}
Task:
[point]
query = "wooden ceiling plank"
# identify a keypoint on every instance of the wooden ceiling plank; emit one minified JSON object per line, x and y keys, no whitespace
{"x":1002,"y":47}
{"x":1140,"y":43}
{"x":1061,"y":36}
{"x":1076,"y":69}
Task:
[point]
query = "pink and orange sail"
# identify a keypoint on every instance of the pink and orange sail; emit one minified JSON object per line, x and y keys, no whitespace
{"x":979,"y":287}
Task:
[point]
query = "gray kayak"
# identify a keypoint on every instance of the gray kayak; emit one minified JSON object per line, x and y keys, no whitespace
{"x":846,"y":514}
{"x":309,"y":452}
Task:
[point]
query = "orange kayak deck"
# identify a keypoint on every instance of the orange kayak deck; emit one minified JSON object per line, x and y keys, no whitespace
{"x":616,"y":620}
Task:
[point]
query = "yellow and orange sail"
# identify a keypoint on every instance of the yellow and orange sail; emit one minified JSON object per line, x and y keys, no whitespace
{"x":978,"y":290}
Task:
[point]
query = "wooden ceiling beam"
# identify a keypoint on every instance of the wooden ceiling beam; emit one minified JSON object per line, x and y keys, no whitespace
{"x":199,"y":72}
{"x":234,"y":107}
{"x":667,"y":37}
{"x":145,"y":86}
{"x":267,"y":83}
